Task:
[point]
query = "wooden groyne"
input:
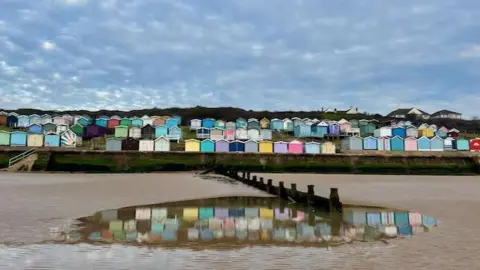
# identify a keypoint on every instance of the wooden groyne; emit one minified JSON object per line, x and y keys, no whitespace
{"x":331,"y":204}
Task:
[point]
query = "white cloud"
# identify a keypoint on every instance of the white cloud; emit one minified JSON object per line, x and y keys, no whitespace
{"x":48,"y":45}
{"x":471,"y":52}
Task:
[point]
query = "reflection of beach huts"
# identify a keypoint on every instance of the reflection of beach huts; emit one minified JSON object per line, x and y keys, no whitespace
{"x":423,"y":144}
{"x":397,"y":143}
{"x":113,"y":144}
{"x":461,"y":144}
{"x":280,"y":147}
{"x":352,"y":143}
{"x":236,"y":146}
{"x":384,"y":144}
{"x":312,"y":148}
{"x":207,"y":146}
{"x":251,"y":146}
{"x":370,"y":143}
{"x":192,"y":145}
{"x":411,"y":144}
{"x":265,"y":147}
{"x":162,"y":144}
{"x":328,"y":148}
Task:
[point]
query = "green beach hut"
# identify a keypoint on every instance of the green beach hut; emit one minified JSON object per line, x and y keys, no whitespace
{"x":4,"y":137}
{"x":121,"y":131}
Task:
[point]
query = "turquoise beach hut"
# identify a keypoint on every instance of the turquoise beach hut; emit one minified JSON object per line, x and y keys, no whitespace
{"x":35,"y":129}
{"x":312,"y":148}
{"x":171,"y":122}
{"x":18,"y":138}
{"x":437,"y":144}
{"x":397,"y":143}
{"x":207,"y":146}
{"x":208,"y":123}
{"x":205,"y":213}
{"x":370,"y":143}
{"x":320,"y":130}
{"x":276,"y":124}
{"x":241,"y":122}
{"x":101,"y":122}
{"x":461,"y":144}
{"x":52,"y":140}
{"x":137,"y":122}
{"x":161,"y":131}
{"x":178,"y":118}
{"x":423,"y":144}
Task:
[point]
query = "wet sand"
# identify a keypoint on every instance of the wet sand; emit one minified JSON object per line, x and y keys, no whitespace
{"x":31,"y":203}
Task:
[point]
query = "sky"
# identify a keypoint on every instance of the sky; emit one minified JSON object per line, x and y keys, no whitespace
{"x":376,"y":55}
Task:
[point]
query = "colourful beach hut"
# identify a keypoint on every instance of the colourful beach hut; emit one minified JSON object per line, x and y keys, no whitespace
{"x":18,"y":138}
{"x":82,"y":121}
{"x":161,"y":131}
{"x":411,"y":144}
{"x":203,"y":133}
{"x":312,"y":148}
{"x":4,"y":138}
{"x":35,"y":140}
{"x":333,"y":129}
{"x":287,"y":125}
{"x":172,"y":122}
{"x":453,"y":133}
{"x":397,"y":143}
{"x":236,"y":146}
{"x":475,"y":145}
{"x":437,"y":144}
{"x":399,"y":131}
{"x":137,"y":122}
{"x":148,"y":132}
{"x":253,"y":123}
{"x":276,"y":124}
{"x":302,"y":130}
{"x":52,"y":140}
{"x":265,"y":147}
{"x":113,"y":144}
{"x":352,"y":143}
{"x":345,"y":126}
{"x":442,"y":132}
{"x":448,"y":144}
{"x":461,"y":144}
{"x":426,"y":132}
{"x":102,"y":122}
{"x":241,"y":123}
{"x":195,"y":124}
{"x":192,"y":145}
{"x":78,"y":129}
{"x":158,"y":121}
{"x":229,"y":134}
{"x":207,"y":146}
{"x":231,"y":125}
{"x":130,"y":144}
{"x":126,"y":122}
{"x":328,"y":148}
{"x":175,"y":133}
{"x":423,"y":144}
{"x":12,"y":121}
{"x":412,"y":131}
{"x":23,"y":121}
{"x":121,"y":131}
{"x":264,"y":123}
{"x":280,"y":147}
{"x":251,"y":146}
{"x":254,"y":134}
{"x":221,"y":146}
{"x":370,"y":143}
{"x":220,"y":124}
{"x":35,"y":129}
{"x":384,"y":144}
{"x":295,"y":147}
{"x":208,"y":123}
{"x":241,"y":134}
{"x":162,"y":144}
{"x":320,"y":129}
{"x":383,"y":132}
{"x":113,"y":122}
{"x":146,"y":146}
{"x":266,"y":134}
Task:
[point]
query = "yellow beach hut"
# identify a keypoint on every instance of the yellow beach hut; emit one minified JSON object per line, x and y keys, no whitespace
{"x":328,"y":148}
{"x":265,"y":147}
{"x":192,"y":145}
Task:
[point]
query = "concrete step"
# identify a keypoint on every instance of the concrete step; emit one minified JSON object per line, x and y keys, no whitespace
{"x":24,"y":164}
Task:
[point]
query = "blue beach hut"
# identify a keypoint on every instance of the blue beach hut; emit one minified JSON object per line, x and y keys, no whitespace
{"x":207,"y":146}
{"x":276,"y":124}
{"x":312,"y":148}
{"x":241,"y":122}
{"x":35,"y":129}
{"x":236,"y":146}
{"x":441,"y":133}
{"x":52,"y":140}
{"x":101,"y":122}
{"x":23,"y":121}
{"x":399,"y":131}
{"x":18,"y":138}
{"x":137,"y":122}
{"x":175,"y":133}
{"x":352,"y":143}
{"x":83,"y":121}
{"x":179,"y":119}
{"x":401,"y":219}
{"x":437,"y":144}
{"x":461,"y":145}
{"x":333,"y":129}
{"x":113,"y":144}
{"x":161,"y":131}
{"x":171,"y":122}
{"x":320,"y":129}
{"x":302,"y":130}
{"x":208,"y":123}
{"x":370,"y":143}
{"x":397,"y":143}
{"x":423,"y":144}
{"x":374,"y":219}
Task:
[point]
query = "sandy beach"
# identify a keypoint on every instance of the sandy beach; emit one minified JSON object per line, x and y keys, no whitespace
{"x":32,"y":203}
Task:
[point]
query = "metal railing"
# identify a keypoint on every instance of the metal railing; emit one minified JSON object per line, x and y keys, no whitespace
{"x":20,"y":157}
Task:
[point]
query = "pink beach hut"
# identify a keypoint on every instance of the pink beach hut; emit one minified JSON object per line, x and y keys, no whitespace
{"x":411,"y":144}
{"x":295,"y":147}
{"x":230,"y":135}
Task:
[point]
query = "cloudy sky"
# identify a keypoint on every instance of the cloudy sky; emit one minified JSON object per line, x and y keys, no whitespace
{"x":269,"y":54}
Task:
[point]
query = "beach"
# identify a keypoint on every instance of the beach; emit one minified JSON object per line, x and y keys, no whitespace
{"x":32,"y":203}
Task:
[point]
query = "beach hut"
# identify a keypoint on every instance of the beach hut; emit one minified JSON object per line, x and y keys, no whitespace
{"x":302,"y":130}
{"x":461,"y":144}
{"x":216,"y":134}
{"x":102,"y":122}
{"x":253,"y":134}
{"x":222,"y":146}
{"x":344,"y":125}
{"x":207,"y":146}
{"x":426,"y":132}
{"x":203,"y":133}
{"x":236,"y":146}
{"x":34,"y":119}
{"x":287,"y":124}
{"x":264,"y":123}
{"x":454,"y":133}
{"x":61,"y":128}
{"x":146,"y":145}
{"x":147,"y":120}
{"x":229,"y":134}
{"x":121,"y":131}
{"x":312,"y":148}
{"x":3,"y":119}
{"x":423,"y":144}
{"x":352,"y":143}
{"x":192,"y":145}
{"x":178,"y":118}
{"x":266,"y":134}
{"x":383,"y":132}
{"x":354,"y":123}
{"x":162,"y":144}
{"x":113,"y":144}
{"x":175,"y":133}
{"x":241,"y":134}
{"x":475,"y":145}
{"x":384,"y":144}
{"x":171,"y":122}
{"x":46,"y":119}
{"x":4,"y":138}
{"x":370,"y":143}
{"x":49,"y":128}
{"x":367,"y":129}
{"x":78,"y":129}
{"x":23,"y":121}
{"x":433,"y":127}
{"x":297,"y":121}
{"x":412,"y":131}
{"x":126,"y":122}
{"x":113,"y":122}
{"x":333,"y":129}
{"x":231,"y":125}
{"x":442,"y":132}
{"x":130,"y":144}
{"x":295,"y":147}
{"x":253,"y":123}
{"x":35,"y":129}
{"x":448,"y":144}
{"x":195,"y":124}
{"x":328,"y":148}
{"x":411,"y":144}
{"x":68,"y":138}
{"x":137,"y":122}
{"x":320,"y":130}
{"x":148,"y":132}
{"x":397,"y":143}
{"x":208,"y":123}
{"x":220,"y":124}
{"x":251,"y":146}
{"x":82,"y":121}
{"x":158,"y":121}
{"x":93,"y":131}
{"x":51,"y":140}
{"x":12,"y":121}
{"x":437,"y":144}
{"x":280,"y":147}
{"x":276,"y":124}
{"x":265,"y":147}
{"x":399,"y":131}
{"x":161,"y":131}
{"x":18,"y":138}
{"x":35,"y":140}
{"x":363,"y":122}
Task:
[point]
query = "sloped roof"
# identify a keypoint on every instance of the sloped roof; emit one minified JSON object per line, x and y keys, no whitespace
{"x":442,"y":112}
{"x":405,"y":111}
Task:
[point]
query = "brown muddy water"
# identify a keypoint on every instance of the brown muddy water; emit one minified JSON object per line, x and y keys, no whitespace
{"x":179,"y":221}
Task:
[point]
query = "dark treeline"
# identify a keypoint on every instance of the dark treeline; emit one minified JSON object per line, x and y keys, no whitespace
{"x":231,"y":113}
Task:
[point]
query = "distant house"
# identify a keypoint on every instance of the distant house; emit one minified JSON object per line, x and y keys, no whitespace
{"x":446,"y":114}
{"x":404,"y":113}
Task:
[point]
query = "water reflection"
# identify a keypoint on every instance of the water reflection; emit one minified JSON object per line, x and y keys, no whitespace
{"x":230,"y":222}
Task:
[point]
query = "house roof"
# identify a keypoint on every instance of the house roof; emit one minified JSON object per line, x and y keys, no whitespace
{"x":405,"y":111}
{"x":442,"y":112}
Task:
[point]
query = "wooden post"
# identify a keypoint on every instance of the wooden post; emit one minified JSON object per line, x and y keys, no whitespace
{"x":253,"y":181}
{"x":248,"y":176}
{"x":294,"y":193}
{"x":310,"y":194}
{"x":281,"y":190}
{"x":243,"y":175}
{"x":334,"y":201}
{"x":269,"y":186}
{"x":261,"y":184}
